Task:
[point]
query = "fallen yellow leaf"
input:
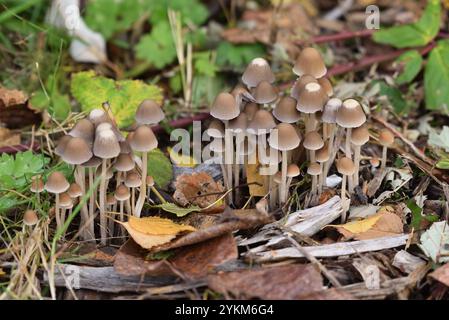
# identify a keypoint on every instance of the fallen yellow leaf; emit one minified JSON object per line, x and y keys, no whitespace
{"x":147,"y":241}
{"x":256,"y":183}
{"x":181,"y":160}
{"x":157,"y":226}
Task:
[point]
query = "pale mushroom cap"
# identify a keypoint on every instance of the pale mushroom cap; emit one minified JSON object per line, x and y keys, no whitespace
{"x":216,"y":129}
{"x":250,"y":110}
{"x":77,"y":151}
{"x":92,"y":162}
{"x":360,"y":135}
{"x":106,"y":145}
{"x":125,"y":147}
{"x":264,"y":93}
{"x":56,"y":183}
{"x":37,"y":185}
{"x":133,"y":180}
{"x":299,"y":85}
{"x":110,"y":199}
{"x":285,"y":110}
{"x":386,"y":138}
{"x":149,"y":181}
{"x":262,"y":123}
{"x":124,"y":162}
{"x":326,"y":85}
{"x":109,"y":173}
{"x":122,"y":193}
{"x":322,"y":154}
{"x":103,"y":126}
{"x":65,"y":201}
{"x":239,"y":124}
{"x":345,"y":166}
{"x":330,"y":110}
{"x":350,"y":114}
{"x":375,"y":162}
{"x":30,"y":217}
{"x":314,"y":169}
{"x":83,"y":129}
{"x":293,"y":170}
{"x":310,"y":62}
{"x":225,"y":107}
{"x":62,"y":143}
{"x":97,"y":116}
{"x":143,"y":139}
{"x":313,"y":141}
{"x":257,"y":71}
{"x":284,"y":137}
{"x":312,"y":98}
{"x":149,"y":112}
{"x":74,"y":190}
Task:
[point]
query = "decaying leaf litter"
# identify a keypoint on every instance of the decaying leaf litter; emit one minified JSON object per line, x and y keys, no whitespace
{"x":206,"y":231}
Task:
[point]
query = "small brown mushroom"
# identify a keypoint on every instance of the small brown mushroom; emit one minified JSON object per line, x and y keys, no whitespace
{"x":310,"y":62}
{"x":345,"y":167}
{"x":359,"y":137}
{"x":386,"y":139}
{"x":257,"y":71}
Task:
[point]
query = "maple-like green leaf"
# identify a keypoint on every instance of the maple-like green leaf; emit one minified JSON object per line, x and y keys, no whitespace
{"x":411,"y":63}
{"x":436,"y":78}
{"x":192,"y":11}
{"x":160,"y":168}
{"x":237,"y":56}
{"x":124,"y":96}
{"x":204,"y":63}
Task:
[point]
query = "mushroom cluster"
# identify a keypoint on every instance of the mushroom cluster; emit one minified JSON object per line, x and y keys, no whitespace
{"x":254,"y":122}
{"x":97,"y":150}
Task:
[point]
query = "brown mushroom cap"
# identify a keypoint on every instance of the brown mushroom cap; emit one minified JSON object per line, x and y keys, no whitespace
{"x":350,"y":114}
{"x":83,"y":129}
{"x":143,"y":139}
{"x":77,"y":151}
{"x":124,"y":162}
{"x":284,"y":137}
{"x":103,"y":126}
{"x":122,"y":193}
{"x":262,"y":123}
{"x":312,"y":98}
{"x":110,"y":199}
{"x":109,"y":173}
{"x":225,"y":107}
{"x":313,"y":141}
{"x":239,"y":124}
{"x":293,"y":170}
{"x":56,"y":183}
{"x":322,"y":154}
{"x":314,"y":169}
{"x":360,"y":135}
{"x":285,"y":110}
{"x":74,"y":190}
{"x":241,"y":94}
{"x":264,"y":93}
{"x":37,"y":185}
{"x":106,"y":145}
{"x":62,"y":143}
{"x":92,"y":162}
{"x":125,"y":147}
{"x":132,"y":180}
{"x":375,"y":162}
{"x":149,"y":112}
{"x":30,"y":217}
{"x":97,"y":116}
{"x":257,"y":71}
{"x":300,"y":83}
{"x":310,"y":62}
{"x":216,"y":129}
{"x":149,"y":181}
{"x":250,"y":110}
{"x":326,"y":85}
{"x":345,"y":166}
{"x":65,"y":201}
{"x":386,"y":138}
{"x":331,"y":107}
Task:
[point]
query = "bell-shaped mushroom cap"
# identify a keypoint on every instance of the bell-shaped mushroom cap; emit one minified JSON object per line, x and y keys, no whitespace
{"x":299,"y":85}
{"x":125,"y":147}
{"x":37,"y":185}
{"x":65,"y":201}
{"x":269,"y":156}
{"x":239,"y":124}
{"x":149,"y":181}
{"x":216,"y":129}
{"x":133,"y":180}
{"x":149,"y":112}
{"x":277,"y":178}
{"x":250,"y":110}
{"x":124,"y":162}
{"x":56,"y":183}
{"x":350,"y":114}
{"x":284,"y":137}
{"x":310,"y":62}
{"x":360,"y":135}
{"x":326,"y":85}
{"x":106,"y":145}
{"x":77,"y":151}
{"x":92,"y":163}
{"x":143,"y":139}
{"x":322,"y":154}
{"x":225,"y":107}
{"x":62,"y":143}
{"x":285,"y":110}
{"x":109,"y":173}
{"x":75,"y":190}
{"x":103,"y":126}
{"x":110,"y":199}
{"x":313,"y":141}
{"x":331,"y":107}
{"x":83,"y":129}
{"x":312,"y":98}
{"x":264,"y":93}
{"x":293,"y":170}
{"x":262,"y":123}
{"x":30,"y":217}
{"x":345,"y":166}
{"x":314,"y":169}
{"x":97,"y":116}
{"x":386,"y":138}
{"x":122,"y":193}
{"x":217,"y":145}
{"x":241,"y":94}
{"x":257,"y":71}
{"x":375,"y":162}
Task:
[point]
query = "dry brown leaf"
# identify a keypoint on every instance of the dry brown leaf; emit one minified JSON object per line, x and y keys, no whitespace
{"x":10,"y":97}
{"x":15,"y":111}
{"x":441,"y":274}
{"x":256,"y":182}
{"x":8,"y":138}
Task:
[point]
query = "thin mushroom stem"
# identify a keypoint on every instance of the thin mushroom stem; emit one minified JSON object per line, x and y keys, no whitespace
{"x":133,"y":201}
{"x":87,"y":232}
{"x":348,"y":155}
{"x":92,"y":204}
{"x":356,"y":164}
{"x":314,"y":184}
{"x":128,"y":206}
{"x":122,"y":216}
{"x":57,"y":215}
{"x":334,"y":145}
{"x":143,"y":187}
{"x":228,"y":157}
{"x":272,"y":193}
{"x":283,"y":192}
{"x":343,"y":199}
{"x":384,"y":158}
{"x":103,"y":218}
{"x":321,"y":179}
{"x":237,"y":177}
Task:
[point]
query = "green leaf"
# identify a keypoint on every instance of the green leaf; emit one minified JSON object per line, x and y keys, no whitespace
{"x":192,"y":11}
{"x":415,"y":34}
{"x":411,"y":62}
{"x":436,"y":78}
{"x":178,"y":211}
{"x":160,"y":167}
{"x":157,"y":47}
{"x":237,"y":56}
{"x":416,"y":213}
{"x":205,"y":89}
{"x":395,"y":97}
{"x":443,"y":164}
{"x":124,"y":96}
{"x":204,"y":64}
